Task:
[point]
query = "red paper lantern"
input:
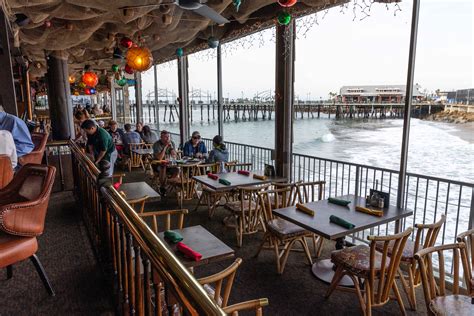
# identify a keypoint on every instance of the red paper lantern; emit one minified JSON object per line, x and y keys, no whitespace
{"x":139,"y":58}
{"x":128,"y":69}
{"x":90,"y":78}
{"x":87,"y":91}
{"x":126,"y":42}
{"x":287,"y":3}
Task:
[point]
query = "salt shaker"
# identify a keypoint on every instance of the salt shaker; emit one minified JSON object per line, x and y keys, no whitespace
{"x":381,"y":203}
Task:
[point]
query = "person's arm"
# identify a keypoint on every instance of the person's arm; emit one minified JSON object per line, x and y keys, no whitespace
{"x":161,"y":154}
{"x":204,"y":149}
{"x":173,"y":152}
{"x":186,"y":151}
{"x":100,"y":156}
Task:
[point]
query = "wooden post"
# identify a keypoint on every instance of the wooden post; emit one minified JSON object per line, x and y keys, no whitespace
{"x":7,"y":86}
{"x":284,"y":95}
{"x":220,"y":114}
{"x":183,"y":99}
{"x":157,"y":107}
{"x":138,"y":97}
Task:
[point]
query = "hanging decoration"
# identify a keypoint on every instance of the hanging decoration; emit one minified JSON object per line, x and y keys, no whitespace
{"x":139,"y":58}
{"x":287,"y":3}
{"x":212,"y":42}
{"x":115,"y":68}
{"x":126,"y":42}
{"x":92,"y":91}
{"x":118,"y":53}
{"x":90,"y":78}
{"x":237,"y":4}
{"x":179,"y":52}
{"x":121,"y":82}
{"x":81,"y":85}
{"x":87,"y":91}
{"x":72,"y":79}
{"x":131,"y":82}
{"x":284,"y":18}
{"x":128,"y":69}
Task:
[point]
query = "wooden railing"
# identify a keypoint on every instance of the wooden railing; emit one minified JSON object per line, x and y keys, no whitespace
{"x":147,"y":278}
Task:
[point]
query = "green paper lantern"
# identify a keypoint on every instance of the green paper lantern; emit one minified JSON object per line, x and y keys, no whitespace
{"x":115,"y":68}
{"x":179,"y":52}
{"x":284,"y":18}
{"x":122,"y":81}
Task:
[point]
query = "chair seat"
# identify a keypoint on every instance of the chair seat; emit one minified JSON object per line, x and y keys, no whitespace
{"x":284,"y":229}
{"x":235,"y":206}
{"x":211,"y":292}
{"x":408,"y":251}
{"x":452,"y":305}
{"x":357,"y":260}
{"x":15,"y":248}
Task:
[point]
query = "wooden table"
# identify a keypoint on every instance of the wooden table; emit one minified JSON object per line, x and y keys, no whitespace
{"x":136,"y":190}
{"x":236,"y":180}
{"x":143,"y":151}
{"x":199,"y":239}
{"x":319,"y":224}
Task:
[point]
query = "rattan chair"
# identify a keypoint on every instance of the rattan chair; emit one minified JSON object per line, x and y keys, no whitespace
{"x":430,"y":231}
{"x":207,"y":195}
{"x":256,"y":305}
{"x":183,"y":184}
{"x":247,"y":212}
{"x":468,"y":239}
{"x":373,"y":273}
{"x":433,"y":278}
{"x":140,"y":202}
{"x":164,"y":220}
{"x":280,"y":234}
{"x":135,"y":160}
{"x":234,"y":166}
{"x":213,"y":283}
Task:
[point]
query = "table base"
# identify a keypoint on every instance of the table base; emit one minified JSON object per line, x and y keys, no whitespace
{"x":323,"y":270}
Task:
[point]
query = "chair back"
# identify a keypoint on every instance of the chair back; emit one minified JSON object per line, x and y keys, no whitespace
{"x":386,"y":274}
{"x":36,"y":155}
{"x":253,"y":305}
{"x":24,"y":201}
{"x":291,"y":185}
{"x":39,"y":140}
{"x":140,"y":202}
{"x":434,"y":285}
{"x":273,"y":199}
{"x":307,"y":192}
{"x":187,"y":188}
{"x":204,"y":168}
{"x":468,"y":239}
{"x":6,"y":171}
{"x":135,"y":159}
{"x":224,"y":278}
{"x":250,"y":207}
{"x":234,"y":166}
{"x":164,"y":220}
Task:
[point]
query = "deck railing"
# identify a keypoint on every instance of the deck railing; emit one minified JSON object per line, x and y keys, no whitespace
{"x":148,"y":279}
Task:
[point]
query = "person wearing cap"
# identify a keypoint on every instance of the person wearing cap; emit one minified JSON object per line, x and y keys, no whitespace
{"x":195,"y":147}
{"x":219,"y":153}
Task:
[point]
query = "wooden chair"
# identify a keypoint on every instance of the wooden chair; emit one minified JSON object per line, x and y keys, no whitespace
{"x":430,"y":231}
{"x":6,"y":171}
{"x":206,"y":194}
{"x":256,"y":305}
{"x":184,"y":185}
{"x":234,"y":166}
{"x":373,"y":273}
{"x":118,"y":177}
{"x":438,"y":302}
{"x":140,"y":202}
{"x":213,"y":283}
{"x":165,"y":220}
{"x":468,"y":239}
{"x":281,"y":234}
{"x":247,"y":212}
{"x":135,"y":160}
{"x":36,"y":155}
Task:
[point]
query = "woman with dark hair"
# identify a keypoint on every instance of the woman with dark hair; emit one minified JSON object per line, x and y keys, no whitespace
{"x":219,"y":153}
{"x":148,"y":136}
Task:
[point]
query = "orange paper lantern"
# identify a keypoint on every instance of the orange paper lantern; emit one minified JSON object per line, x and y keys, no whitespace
{"x":139,"y":58}
{"x":90,"y":78}
{"x":72,"y":79}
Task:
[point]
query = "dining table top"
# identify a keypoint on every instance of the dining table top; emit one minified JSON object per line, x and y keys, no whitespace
{"x":143,"y":151}
{"x":200,"y":240}
{"x":236,"y":180}
{"x":319,"y":222}
{"x":136,"y":190}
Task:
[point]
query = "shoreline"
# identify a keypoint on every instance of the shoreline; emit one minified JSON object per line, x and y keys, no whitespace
{"x":457,"y":117}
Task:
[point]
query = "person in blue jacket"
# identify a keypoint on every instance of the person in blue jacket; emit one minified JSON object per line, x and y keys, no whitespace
{"x":195,"y":147}
{"x":19,"y":130}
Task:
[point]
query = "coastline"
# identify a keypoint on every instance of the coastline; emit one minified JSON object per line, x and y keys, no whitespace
{"x":457,"y":117}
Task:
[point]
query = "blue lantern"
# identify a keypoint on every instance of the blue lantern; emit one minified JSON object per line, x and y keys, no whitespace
{"x":131,"y":82}
{"x":92,"y":90}
{"x":179,"y":52}
{"x":212,"y":42}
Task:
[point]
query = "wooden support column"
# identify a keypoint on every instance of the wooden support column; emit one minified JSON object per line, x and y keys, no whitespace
{"x":138,"y":97}
{"x":59,"y":96}
{"x":113,"y":99}
{"x":7,"y":86}
{"x":220,"y":114}
{"x":284,"y":97}
{"x":183,"y":99}
{"x":157,"y":105}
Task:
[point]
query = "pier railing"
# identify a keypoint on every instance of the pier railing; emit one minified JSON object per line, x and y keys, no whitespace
{"x":428,"y":197}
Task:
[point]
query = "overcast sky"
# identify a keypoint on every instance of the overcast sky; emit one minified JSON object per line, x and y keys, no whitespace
{"x":342,"y":50}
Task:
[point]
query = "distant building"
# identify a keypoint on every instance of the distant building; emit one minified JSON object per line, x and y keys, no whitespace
{"x":377,"y":93}
{"x":464,"y":96}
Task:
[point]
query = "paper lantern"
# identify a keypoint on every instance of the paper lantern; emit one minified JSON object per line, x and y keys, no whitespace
{"x":128,"y":69}
{"x":87,"y":91}
{"x":284,"y":18}
{"x":287,"y":3}
{"x":121,"y":82}
{"x":179,"y":52}
{"x":81,"y":85}
{"x":212,"y":42}
{"x":126,"y":42}
{"x":76,"y":93}
{"x":139,"y":58}
{"x":92,"y":91}
{"x":131,"y":82}
{"x":90,"y":78}
{"x":115,"y":68}
{"x":72,"y":79}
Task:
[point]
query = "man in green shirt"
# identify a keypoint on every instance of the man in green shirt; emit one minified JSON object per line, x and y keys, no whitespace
{"x":100,"y":144}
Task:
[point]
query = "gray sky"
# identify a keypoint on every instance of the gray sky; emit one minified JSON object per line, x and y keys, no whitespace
{"x":342,"y":51}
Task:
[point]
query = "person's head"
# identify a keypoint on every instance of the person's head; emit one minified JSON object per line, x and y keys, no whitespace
{"x":217,"y":141}
{"x":128,"y":127}
{"x":89,"y":126}
{"x":139,"y":127}
{"x":80,"y":116}
{"x":101,"y":123}
{"x":113,"y":125}
{"x":103,"y":166}
{"x":165,"y":137}
{"x":195,"y":137}
{"x":146,"y":130}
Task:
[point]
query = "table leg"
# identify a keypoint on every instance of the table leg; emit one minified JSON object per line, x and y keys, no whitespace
{"x":324,"y":269}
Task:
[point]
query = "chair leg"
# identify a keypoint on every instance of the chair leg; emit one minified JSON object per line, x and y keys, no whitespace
{"x":335,"y":281}
{"x":42,"y":274}
{"x":411,"y":289}
{"x":9,"y":271}
{"x":265,"y":237}
{"x":368,"y":300}
{"x":304,"y":243}
{"x":399,"y":298}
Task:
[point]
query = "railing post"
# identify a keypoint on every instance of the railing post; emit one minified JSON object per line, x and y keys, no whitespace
{"x":252,"y":157}
{"x":471,"y":213}
{"x":356,"y":186}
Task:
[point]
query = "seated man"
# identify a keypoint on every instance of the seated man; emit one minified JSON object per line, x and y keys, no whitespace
{"x":195,"y":147}
{"x":164,"y":149}
{"x":219,"y":153}
{"x":20,"y":133}
{"x":7,"y":147}
{"x":117,"y":135}
{"x":130,"y":137}
{"x":100,"y":144}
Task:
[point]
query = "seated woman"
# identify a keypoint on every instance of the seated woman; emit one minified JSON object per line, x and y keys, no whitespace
{"x":219,"y":153}
{"x":195,"y":147}
{"x":148,"y":136}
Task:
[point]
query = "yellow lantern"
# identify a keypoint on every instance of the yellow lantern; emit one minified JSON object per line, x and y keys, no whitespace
{"x":139,"y":58}
{"x":72,"y":79}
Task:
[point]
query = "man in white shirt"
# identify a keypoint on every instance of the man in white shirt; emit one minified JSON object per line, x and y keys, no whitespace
{"x":7,"y":146}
